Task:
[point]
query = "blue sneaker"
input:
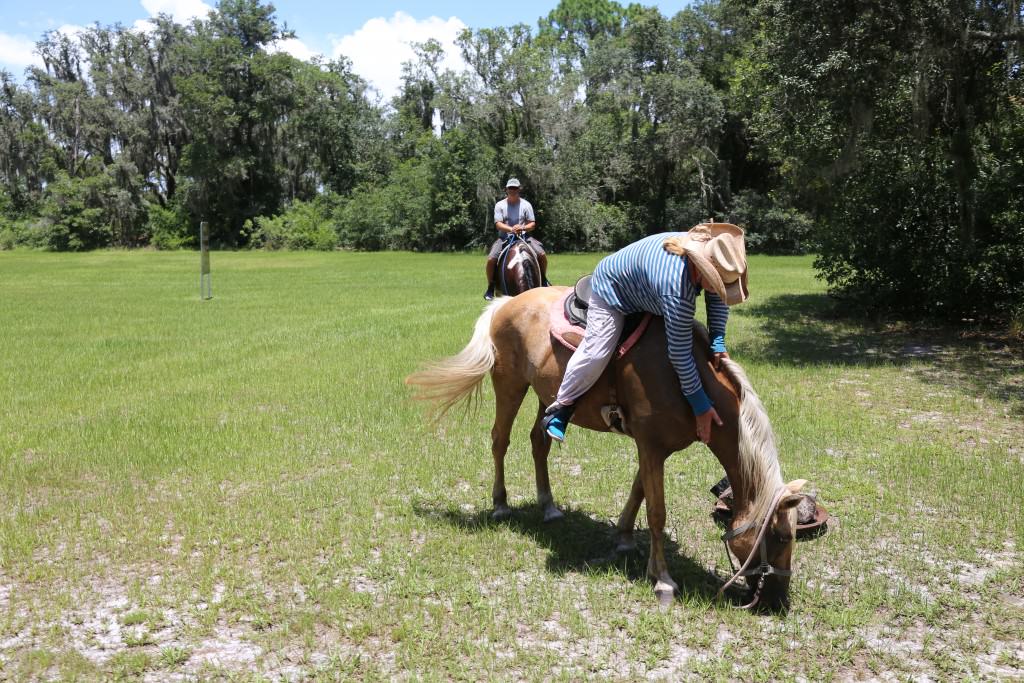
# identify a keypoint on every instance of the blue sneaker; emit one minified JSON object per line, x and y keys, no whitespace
{"x":557,"y":422}
{"x":489,"y":294}
{"x":555,"y":427}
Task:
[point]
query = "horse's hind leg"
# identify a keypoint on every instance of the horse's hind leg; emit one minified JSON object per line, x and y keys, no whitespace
{"x":541,"y":447}
{"x":624,"y":541}
{"x":508,"y":396}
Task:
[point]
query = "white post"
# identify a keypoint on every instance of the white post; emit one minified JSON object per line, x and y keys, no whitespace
{"x":205,"y":284}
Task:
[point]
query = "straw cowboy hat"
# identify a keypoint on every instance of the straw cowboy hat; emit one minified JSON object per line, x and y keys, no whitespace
{"x":719,"y":253}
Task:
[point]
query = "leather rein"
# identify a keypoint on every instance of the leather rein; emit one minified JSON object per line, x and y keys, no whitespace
{"x":765,"y":568}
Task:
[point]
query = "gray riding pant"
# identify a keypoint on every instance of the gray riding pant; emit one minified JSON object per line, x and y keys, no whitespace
{"x":604,"y":326}
{"x":495,"y":251}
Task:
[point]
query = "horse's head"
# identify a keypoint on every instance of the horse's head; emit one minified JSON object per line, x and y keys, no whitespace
{"x":771,"y":547}
{"x":518,"y":267}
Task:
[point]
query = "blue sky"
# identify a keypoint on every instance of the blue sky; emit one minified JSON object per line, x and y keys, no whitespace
{"x":374,"y":35}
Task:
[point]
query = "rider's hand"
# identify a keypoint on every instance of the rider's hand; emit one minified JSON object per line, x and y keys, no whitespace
{"x":704,"y":424}
{"x":716,"y":360}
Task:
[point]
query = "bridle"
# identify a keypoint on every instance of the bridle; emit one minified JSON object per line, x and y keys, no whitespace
{"x":765,"y":568}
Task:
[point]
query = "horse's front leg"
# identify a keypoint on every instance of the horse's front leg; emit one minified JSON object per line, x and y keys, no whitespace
{"x":541,"y":448}
{"x":652,"y":476}
{"x":624,"y":540}
{"x":507,"y":399}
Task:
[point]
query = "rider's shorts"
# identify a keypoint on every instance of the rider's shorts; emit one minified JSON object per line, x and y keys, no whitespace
{"x":495,"y":251}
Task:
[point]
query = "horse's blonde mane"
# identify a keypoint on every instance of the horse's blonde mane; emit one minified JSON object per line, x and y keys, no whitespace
{"x":759,"y":458}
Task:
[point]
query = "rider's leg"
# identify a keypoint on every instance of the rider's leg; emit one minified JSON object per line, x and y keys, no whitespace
{"x":492,"y":265}
{"x":542,"y":259}
{"x":604,"y":326}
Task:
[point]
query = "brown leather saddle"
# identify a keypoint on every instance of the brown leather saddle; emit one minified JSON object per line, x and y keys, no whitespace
{"x":577,"y":304}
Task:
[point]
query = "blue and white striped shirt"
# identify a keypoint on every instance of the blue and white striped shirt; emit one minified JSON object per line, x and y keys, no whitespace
{"x":645,"y":277}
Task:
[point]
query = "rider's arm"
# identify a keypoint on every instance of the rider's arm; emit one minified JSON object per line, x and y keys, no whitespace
{"x":528,"y":220}
{"x":499,"y":220}
{"x":679,"y":332}
{"x":718,"y":316}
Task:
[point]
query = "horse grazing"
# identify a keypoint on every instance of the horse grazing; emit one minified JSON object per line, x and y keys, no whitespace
{"x":518,"y":268}
{"x":512,"y":341}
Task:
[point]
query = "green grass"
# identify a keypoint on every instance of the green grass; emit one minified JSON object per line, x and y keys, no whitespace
{"x":242,"y":488}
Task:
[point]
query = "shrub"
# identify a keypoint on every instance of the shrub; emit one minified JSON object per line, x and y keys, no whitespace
{"x":304,"y":225}
{"x":897,"y":239}
{"x":771,"y":226}
{"x":395,"y":215}
{"x":71,"y":216}
{"x":583,"y":224}
{"x":169,"y":227}
{"x":363,"y":219}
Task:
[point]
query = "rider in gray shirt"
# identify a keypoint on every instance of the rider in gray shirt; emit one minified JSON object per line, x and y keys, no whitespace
{"x":514,"y":215}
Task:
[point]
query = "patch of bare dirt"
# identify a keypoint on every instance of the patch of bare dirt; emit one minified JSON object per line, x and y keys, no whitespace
{"x":95,"y":627}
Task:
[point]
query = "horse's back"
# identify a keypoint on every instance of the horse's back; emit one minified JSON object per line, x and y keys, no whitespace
{"x":523,"y":346}
{"x":526,"y":318}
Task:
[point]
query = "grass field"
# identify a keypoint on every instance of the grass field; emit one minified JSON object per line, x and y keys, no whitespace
{"x":241,"y":489}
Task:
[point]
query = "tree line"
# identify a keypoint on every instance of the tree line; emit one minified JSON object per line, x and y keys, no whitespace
{"x":884,"y":136}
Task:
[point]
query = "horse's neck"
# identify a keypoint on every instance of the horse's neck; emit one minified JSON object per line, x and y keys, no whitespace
{"x":754,"y":480}
{"x":742,"y":495}
{"x":749,"y":478}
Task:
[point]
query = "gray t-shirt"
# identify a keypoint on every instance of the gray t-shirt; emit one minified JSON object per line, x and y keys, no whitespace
{"x":510,"y":214}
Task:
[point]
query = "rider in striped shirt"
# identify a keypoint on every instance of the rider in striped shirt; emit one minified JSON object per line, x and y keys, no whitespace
{"x":661,"y":274}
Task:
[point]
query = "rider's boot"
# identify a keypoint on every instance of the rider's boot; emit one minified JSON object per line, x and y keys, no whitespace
{"x":556,"y":420}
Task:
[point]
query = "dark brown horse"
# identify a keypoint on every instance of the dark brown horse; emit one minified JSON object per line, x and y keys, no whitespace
{"x":518,"y":268}
{"x":512,"y":342}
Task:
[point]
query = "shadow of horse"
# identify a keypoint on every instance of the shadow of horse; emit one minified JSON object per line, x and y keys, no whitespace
{"x":580,"y":544}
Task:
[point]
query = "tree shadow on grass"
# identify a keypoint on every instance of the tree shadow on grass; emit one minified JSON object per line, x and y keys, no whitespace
{"x":578,"y":543}
{"x":807,"y":329}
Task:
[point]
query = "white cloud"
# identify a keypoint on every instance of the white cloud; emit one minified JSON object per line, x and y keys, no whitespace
{"x":17,"y":52}
{"x":378,"y":49}
{"x":71,"y":30}
{"x":295,"y":47}
{"x":143,"y":26}
{"x":182,"y":10}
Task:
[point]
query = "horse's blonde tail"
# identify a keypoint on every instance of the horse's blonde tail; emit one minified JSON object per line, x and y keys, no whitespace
{"x":448,"y":381}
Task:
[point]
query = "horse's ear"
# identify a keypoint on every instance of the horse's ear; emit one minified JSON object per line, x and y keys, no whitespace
{"x":790,"y":500}
{"x":793,"y":498}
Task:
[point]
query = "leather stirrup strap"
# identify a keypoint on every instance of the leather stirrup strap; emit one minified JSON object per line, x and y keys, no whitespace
{"x":614,"y":418}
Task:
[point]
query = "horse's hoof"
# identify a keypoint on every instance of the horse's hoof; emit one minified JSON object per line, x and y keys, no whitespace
{"x":666,"y":594}
{"x":501,"y":513}
{"x":665,"y":598}
{"x":552,"y":514}
{"x":625,"y":546}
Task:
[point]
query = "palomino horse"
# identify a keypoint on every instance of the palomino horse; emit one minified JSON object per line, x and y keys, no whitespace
{"x":518,"y":268}
{"x":512,"y":341}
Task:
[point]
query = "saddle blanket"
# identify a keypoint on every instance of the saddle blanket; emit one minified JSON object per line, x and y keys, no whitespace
{"x":571,"y":335}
